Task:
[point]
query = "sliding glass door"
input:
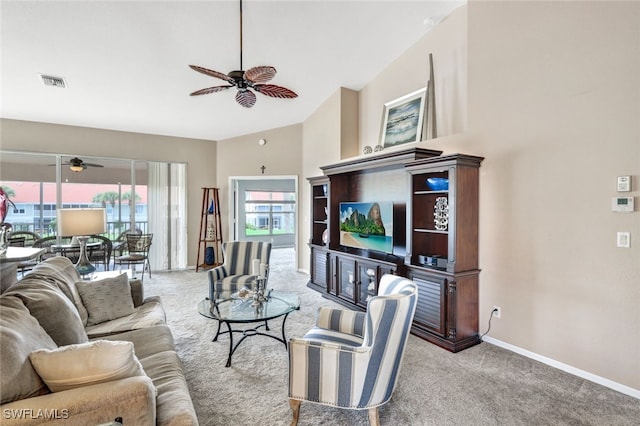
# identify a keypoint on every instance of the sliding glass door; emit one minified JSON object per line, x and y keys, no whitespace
{"x":129,"y":190}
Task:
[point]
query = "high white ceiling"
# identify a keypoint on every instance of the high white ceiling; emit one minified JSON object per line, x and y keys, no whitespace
{"x":126,"y":63}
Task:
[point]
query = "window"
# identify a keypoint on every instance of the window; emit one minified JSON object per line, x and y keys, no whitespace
{"x":269,"y":213}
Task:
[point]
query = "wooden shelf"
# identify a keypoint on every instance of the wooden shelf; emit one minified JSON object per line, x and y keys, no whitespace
{"x":210,"y":239}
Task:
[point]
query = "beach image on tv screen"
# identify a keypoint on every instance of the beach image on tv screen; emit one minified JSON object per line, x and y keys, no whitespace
{"x":367,"y":225}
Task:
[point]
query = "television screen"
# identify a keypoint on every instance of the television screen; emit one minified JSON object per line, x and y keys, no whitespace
{"x":367,"y":226}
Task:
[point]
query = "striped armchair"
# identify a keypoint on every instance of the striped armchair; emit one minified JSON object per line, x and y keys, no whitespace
{"x":352,"y":359}
{"x":235,"y":272}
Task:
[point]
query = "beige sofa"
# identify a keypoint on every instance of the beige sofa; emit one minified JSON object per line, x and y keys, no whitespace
{"x":58,"y":339}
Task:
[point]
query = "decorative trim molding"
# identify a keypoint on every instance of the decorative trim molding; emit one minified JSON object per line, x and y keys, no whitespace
{"x":567,"y":368}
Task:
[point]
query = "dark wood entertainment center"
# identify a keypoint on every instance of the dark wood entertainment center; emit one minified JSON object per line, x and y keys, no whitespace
{"x":439,"y":255}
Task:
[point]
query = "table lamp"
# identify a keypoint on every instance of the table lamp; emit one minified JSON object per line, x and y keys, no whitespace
{"x":81,"y":223}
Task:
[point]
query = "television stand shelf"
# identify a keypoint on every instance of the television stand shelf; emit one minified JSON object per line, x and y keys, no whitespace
{"x":434,"y":233}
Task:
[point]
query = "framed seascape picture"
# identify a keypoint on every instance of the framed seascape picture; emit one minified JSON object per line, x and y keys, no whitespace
{"x":402,"y":119}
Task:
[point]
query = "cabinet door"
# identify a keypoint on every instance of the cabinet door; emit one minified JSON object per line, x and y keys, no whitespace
{"x":431,"y":308}
{"x":367,"y":283}
{"x":346,"y":279}
{"x":319,"y":267}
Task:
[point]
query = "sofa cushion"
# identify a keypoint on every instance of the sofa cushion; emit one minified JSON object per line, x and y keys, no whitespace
{"x":60,"y":271}
{"x":74,"y":366}
{"x":149,"y":314}
{"x":20,"y":334}
{"x":53,"y":310}
{"x":147,"y":341}
{"x":106,"y":299}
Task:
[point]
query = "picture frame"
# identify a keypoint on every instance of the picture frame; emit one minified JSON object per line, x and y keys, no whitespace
{"x":402,"y":119}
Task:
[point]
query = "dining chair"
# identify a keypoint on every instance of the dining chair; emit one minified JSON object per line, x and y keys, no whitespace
{"x":120,"y":243}
{"x":23,"y":238}
{"x":101,"y":254}
{"x":136,"y":252}
{"x":352,"y":359}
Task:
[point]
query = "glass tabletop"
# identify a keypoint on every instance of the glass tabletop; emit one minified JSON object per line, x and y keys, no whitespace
{"x":240,"y":310}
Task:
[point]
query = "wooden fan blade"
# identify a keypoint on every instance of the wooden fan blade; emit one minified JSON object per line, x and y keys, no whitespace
{"x":275,"y":91}
{"x":208,"y":90}
{"x":260,"y":74}
{"x":246,"y":98}
{"x":92,"y":165}
{"x":211,"y":73}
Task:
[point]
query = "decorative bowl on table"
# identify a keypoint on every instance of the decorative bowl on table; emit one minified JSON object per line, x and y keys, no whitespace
{"x":243,"y":294}
{"x":438,"y":184}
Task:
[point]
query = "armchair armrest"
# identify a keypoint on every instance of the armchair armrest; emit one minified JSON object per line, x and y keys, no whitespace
{"x":216,"y":274}
{"x":133,"y":399}
{"x":341,"y":320}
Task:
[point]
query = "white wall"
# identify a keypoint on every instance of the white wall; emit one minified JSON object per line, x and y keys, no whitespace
{"x":553,"y":106}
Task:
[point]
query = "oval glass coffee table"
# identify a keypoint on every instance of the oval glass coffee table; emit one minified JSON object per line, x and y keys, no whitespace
{"x":240,"y":311}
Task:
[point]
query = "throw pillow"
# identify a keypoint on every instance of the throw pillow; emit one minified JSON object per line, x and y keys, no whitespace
{"x":53,"y":310}
{"x":85,"y":364}
{"x":106,"y":299}
{"x":20,"y":334}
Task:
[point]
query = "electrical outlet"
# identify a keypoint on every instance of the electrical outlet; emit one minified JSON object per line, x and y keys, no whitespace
{"x":496,"y":312}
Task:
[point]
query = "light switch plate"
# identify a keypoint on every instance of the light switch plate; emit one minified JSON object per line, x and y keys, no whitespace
{"x":624,"y":239}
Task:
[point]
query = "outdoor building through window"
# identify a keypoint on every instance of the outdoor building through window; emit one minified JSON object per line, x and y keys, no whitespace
{"x":269,"y":213}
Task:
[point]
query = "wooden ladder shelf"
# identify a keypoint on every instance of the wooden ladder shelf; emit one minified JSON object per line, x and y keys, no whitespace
{"x":210,"y":239}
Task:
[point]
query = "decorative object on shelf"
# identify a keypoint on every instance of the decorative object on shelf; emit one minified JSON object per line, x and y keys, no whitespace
{"x":211,"y":230}
{"x":325,"y":189}
{"x":209,"y":256}
{"x":402,"y":119}
{"x":82,"y":223}
{"x":367,"y":149}
{"x":254,"y":78}
{"x":441,"y":214}
{"x":438,"y":184}
{"x":431,"y":131}
{"x":325,"y":236}
{"x":211,"y":208}
{"x":378,"y":148}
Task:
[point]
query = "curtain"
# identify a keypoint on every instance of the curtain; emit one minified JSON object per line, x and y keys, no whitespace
{"x":178,"y":252}
{"x":167,"y":215}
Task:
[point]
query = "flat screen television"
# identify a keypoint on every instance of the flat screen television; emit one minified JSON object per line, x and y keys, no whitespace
{"x":367,"y":226}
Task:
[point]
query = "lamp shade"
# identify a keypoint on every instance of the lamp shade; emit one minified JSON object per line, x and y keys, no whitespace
{"x":74,"y":222}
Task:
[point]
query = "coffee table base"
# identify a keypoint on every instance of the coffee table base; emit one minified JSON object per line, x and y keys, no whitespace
{"x":248,"y":333}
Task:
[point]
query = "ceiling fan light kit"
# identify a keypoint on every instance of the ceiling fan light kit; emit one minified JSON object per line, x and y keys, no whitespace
{"x":77,"y":165}
{"x":253,"y":78}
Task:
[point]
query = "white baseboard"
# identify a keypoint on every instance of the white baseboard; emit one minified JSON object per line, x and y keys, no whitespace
{"x":567,"y":368}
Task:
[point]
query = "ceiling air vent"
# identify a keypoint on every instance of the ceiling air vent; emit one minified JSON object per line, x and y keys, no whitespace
{"x":50,"y":80}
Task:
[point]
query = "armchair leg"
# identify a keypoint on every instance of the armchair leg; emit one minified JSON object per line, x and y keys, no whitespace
{"x":295,"y":410}
{"x":374,"y":417}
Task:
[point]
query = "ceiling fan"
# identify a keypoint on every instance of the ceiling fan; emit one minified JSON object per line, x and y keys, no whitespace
{"x":253,"y":78}
{"x":77,"y":165}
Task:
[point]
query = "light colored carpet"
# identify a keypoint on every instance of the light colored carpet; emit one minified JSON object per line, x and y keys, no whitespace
{"x":483,"y":385}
